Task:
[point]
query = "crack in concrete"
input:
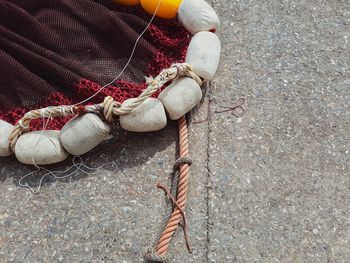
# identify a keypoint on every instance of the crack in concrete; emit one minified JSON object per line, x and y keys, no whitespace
{"x":208,"y":182}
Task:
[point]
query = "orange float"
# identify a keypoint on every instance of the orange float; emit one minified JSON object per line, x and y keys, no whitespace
{"x":167,"y":8}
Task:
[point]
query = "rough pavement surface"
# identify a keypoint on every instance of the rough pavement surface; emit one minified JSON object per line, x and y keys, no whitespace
{"x":272,"y":186}
{"x":280,"y":176}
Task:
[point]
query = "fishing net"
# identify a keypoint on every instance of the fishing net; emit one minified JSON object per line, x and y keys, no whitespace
{"x":61,"y":52}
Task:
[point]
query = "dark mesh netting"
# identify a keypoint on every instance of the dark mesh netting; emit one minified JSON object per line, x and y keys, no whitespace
{"x":60,"y":52}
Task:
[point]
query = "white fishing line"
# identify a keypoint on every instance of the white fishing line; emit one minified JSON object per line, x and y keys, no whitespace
{"x":70,"y":171}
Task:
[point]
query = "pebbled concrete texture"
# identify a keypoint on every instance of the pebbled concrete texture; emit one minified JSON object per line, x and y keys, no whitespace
{"x":272,"y":186}
{"x":280,"y":175}
{"x":112,"y":214}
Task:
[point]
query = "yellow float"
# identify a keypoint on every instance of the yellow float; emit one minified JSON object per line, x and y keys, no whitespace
{"x":167,"y":8}
{"x":127,"y":2}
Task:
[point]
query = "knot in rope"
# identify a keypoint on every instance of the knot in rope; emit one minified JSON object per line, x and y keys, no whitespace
{"x":108,"y":105}
{"x":180,"y":161}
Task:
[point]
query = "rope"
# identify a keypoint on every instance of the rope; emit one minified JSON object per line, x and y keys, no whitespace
{"x":167,"y":192}
{"x":174,"y":179}
{"x":180,"y":161}
{"x":175,"y":208}
{"x":108,"y":107}
{"x":194,"y":76}
{"x":48,"y":112}
{"x":182,"y":165}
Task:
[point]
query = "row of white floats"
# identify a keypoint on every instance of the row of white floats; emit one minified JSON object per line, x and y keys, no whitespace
{"x":85,"y":132}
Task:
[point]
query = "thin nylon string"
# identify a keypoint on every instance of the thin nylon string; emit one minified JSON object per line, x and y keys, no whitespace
{"x":78,"y":165}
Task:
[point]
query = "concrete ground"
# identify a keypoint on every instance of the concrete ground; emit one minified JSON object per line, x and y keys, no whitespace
{"x":272,"y":186}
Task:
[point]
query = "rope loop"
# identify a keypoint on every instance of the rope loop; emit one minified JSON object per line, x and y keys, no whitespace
{"x":180,"y":161}
{"x":108,"y":106}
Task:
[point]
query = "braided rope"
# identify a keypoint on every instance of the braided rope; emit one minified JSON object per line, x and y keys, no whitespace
{"x":174,"y":220}
{"x":151,"y":255}
{"x":108,"y":107}
{"x":174,"y":179}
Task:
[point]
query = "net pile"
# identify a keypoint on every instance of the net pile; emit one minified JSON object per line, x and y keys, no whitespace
{"x":61,"y":52}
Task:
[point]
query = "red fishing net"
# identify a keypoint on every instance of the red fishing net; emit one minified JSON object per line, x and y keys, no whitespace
{"x":61,"y":52}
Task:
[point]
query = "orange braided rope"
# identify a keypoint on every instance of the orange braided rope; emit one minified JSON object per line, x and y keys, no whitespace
{"x":176,"y":216}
